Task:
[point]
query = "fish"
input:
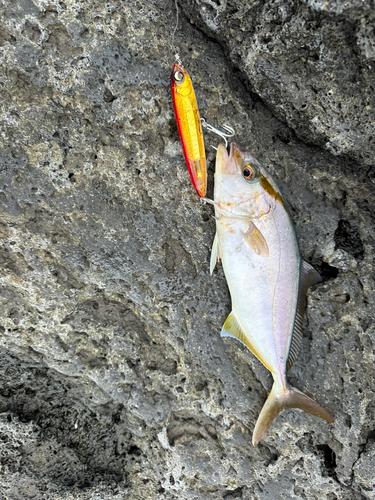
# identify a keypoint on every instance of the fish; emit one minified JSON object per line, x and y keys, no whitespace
{"x":266,"y":276}
{"x":189,"y":127}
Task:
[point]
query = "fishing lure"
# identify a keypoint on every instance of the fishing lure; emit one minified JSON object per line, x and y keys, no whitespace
{"x":189,"y":127}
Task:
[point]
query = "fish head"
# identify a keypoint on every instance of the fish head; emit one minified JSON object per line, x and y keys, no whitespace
{"x":243,"y":187}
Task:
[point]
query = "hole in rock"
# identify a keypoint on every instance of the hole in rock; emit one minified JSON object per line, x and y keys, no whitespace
{"x":326,"y":271}
{"x":329,"y":457}
{"x":348,"y":239}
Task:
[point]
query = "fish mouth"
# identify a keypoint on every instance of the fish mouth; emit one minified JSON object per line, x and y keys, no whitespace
{"x":222,"y":153}
{"x":226,"y":162}
{"x":221,"y":159}
{"x":234,"y":150}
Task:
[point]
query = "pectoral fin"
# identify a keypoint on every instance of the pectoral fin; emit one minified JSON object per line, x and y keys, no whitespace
{"x":255,"y":239}
{"x":215,"y":253}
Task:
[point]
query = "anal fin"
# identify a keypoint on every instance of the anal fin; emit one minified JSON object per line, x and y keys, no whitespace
{"x":232,"y":328}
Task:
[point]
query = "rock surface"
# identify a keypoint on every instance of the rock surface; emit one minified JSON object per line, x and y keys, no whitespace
{"x":311,"y":61}
{"x":114,"y":380}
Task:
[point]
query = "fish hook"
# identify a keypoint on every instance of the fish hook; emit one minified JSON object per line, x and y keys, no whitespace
{"x":205,"y":200}
{"x":229,"y":131}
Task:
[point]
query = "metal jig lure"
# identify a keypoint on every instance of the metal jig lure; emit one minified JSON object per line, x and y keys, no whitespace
{"x":189,"y":126}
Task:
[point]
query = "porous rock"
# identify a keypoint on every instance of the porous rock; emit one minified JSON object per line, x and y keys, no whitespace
{"x":114,"y":380}
{"x":312,"y":62}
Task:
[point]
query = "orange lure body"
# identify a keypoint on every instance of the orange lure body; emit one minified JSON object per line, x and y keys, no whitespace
{"x":189,"y":127}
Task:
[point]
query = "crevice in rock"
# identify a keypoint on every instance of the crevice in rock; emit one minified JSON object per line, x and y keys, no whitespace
{"x":348,"y":239}
{"x":326,"y":271}
{"x":329,"y":457}
{"x":184,"y":429}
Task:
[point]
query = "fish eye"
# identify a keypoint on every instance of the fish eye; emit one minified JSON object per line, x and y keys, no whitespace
{"x":249,"y":172}
{"x":178,"y":76}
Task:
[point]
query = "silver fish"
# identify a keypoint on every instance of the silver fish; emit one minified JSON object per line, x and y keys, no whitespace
{"x":266,"y":276}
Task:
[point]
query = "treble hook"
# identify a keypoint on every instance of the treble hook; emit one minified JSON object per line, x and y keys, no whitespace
{"x":220,"y":133}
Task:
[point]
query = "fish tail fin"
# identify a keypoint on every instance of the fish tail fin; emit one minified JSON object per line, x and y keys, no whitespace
{"x":277,"y":401}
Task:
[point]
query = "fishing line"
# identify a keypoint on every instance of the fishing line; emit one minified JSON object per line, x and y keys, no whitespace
{"x":177,"y":57}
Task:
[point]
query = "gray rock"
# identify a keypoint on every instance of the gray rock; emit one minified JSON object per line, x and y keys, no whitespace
{"x":311,"y":62}
{"x":114,"y":380}
{"x":364,"y":468}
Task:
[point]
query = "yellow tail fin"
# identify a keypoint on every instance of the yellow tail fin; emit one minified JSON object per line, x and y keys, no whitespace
{"x":278,"y":401}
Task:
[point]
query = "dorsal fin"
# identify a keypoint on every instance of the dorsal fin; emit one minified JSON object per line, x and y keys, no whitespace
{"x":215,"y":253}
{"x":307,"y":276}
